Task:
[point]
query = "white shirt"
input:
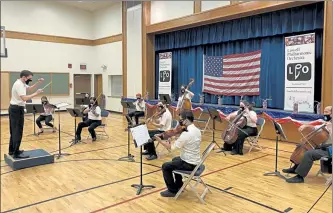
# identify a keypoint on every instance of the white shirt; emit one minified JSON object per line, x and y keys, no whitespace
{"x":19,"y":89}
{"x":189,"y":143}
{"x":166,"y":121}
{"x":140,"y":106}
{"x":180,"y":99}
{"x":91,"y":115}
{"x":249,"y":121}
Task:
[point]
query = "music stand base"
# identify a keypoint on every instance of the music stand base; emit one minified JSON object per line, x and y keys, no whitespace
{"x":58,"y":156}
{"x":275,"y":174}
{"x":129,"y":158}
{"x":140,"y":187}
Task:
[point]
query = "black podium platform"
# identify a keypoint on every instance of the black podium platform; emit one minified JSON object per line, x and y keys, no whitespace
{"x":36,"y":157}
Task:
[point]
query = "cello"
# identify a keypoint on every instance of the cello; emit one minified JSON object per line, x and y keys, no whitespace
{"x":186,"y":104}
{"x":312,"y":138}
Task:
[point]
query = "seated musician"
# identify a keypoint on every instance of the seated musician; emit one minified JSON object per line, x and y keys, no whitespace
{"x":163,"y":123}
{"x":94,"y":120}
{"x":46,"y":116}
{"x":140,"y":107}
{"x":189,"y":95}
{"x":250,"y":129}
{"x":189,"y":145}
{"x":310,"y":156}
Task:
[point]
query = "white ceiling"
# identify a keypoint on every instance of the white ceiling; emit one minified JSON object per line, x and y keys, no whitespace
{"x":89,"y":5}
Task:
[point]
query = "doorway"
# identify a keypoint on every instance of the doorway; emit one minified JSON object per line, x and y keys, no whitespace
{"x":82,"y":85}
{"x":98,"y":87}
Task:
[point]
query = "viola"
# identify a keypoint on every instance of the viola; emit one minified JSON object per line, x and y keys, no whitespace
{"x":172,"y":132}
{"x":312,"y":138}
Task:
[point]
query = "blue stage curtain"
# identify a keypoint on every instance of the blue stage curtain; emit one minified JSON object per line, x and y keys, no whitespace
{"x":292,"y":20}
{"x":187,"y":59}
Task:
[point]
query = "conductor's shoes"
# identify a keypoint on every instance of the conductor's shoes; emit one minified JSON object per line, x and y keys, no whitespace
{"x":167,"y":194}
{"x":21,"y":156}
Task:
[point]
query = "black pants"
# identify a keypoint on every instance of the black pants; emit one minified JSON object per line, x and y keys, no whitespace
{"x":176,"y":164}
{"x":91,"y":124}
{"x":16,"y":123}
{"x":150,"y":147}
{"x":309,"y":157}
{"x":137,"y":115}
{"x":238,"y":145}
{"x":46,"y":118}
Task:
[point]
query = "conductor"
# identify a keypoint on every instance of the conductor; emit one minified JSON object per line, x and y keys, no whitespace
{"x":16,"y":110}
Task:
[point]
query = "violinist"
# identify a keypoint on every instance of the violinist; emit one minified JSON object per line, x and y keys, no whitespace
{"x":94,"y":120}
{"x":250,"y":129}
{"x":46,"y":116}
{"x":310,"y":156}
{"x":189,"y":145}
{"x":140,"y":107}
{"x":189,"y":95}
{"x":163,"y":123}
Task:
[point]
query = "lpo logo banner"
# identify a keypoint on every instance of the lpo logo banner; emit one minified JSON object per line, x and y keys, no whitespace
{"x":165,"y":76}
{"x":299,"y":71}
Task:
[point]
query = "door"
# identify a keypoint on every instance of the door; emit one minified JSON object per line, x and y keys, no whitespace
{"x":98,"y":87}
{"x":82,"y":85}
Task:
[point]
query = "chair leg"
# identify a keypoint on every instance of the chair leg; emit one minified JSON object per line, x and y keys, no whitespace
{"x":196,"y":193}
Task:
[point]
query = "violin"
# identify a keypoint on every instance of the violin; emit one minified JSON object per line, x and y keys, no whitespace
{"x":172,"y":132}
{"x":239,"y":121}
{"x":186,"y":104}
{"x":312,"y":138}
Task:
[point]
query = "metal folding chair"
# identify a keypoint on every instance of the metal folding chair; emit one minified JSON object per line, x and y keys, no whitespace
{"x":253,"y":140}
{"x":199,"y":120}
{"x":195,"y":175}
{"x":326,"y":168}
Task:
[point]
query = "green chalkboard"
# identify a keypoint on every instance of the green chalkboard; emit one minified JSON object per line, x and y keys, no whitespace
{"x":60,"y":83}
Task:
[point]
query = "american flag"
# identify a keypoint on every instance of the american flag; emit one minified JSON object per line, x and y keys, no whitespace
{"x":232,"y":75}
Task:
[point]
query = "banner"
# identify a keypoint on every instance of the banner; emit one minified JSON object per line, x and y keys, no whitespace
{"x":299,"y":72}
{"x":165,"y":73}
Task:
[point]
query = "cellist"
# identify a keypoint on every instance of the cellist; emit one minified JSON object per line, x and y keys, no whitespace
{"x":189,"y":95}
{"x":250,"y":129}
{"x":310,"y":156}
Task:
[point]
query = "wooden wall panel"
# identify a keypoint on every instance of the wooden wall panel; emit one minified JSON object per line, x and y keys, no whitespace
{"x":5,"y":90}
{"x":197,"y":7}
{"x":326,"y":93}
{"x":107,"y":40}
{"x":230,"y":12}
{"x":124,"y":44}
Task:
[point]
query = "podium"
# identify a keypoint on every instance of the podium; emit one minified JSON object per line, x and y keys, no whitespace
{"x":34,"y":108}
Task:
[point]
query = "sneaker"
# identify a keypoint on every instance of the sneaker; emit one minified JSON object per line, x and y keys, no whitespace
{"x":296,"y":179}
{"x":167,"y":194}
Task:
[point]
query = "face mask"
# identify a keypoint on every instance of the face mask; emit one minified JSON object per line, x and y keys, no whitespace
{"x":28,"y":81}
{"x":44,"y":102}
{"x":138,"y":98}
{"x":242,"y":108}
{"x":327,"y":117}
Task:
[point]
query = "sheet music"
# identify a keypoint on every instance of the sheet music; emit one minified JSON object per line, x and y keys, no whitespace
{"x":140,"y":134}
{"x":62,"y":104}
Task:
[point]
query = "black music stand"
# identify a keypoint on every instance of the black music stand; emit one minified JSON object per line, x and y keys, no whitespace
{"x":75,"y":113}
{"x":130,"y":158}
{"x":140,"y":186}
{"x":82,"y":101}
{"x":58,"y":106}
{"x":279,"y":132}
{"x":165,"y":98}
{"x":215,"y":116}
{"x":34,"y":108}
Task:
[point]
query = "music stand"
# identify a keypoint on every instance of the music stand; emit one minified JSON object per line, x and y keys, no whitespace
{"x":58,"y":106}
{"x":82,"y":101}
{"x":34,"y":108}
{"x":75,"y":113}
{"x":215,"y":116}
{"x":165,"y":98}
{"x":279,"y":132}
{"x":130,"y":158}
{"x":140,"y":137}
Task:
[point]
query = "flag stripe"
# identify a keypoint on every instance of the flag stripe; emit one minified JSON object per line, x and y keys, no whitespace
{"x":227,"y":62}
{"x":237,"y":85}
{"x":228,"y":81}
{"x":241,"y":68}
{"x":216,"y":79}
{"x":258,"y":52}
{"x":241,"y":65}
{"x":240,"y":75}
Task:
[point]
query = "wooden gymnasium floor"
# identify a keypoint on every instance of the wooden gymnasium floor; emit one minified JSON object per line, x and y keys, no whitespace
{"x":92,"y":180}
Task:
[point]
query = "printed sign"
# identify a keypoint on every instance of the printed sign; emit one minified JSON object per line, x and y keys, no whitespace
{"x":165,"y":73}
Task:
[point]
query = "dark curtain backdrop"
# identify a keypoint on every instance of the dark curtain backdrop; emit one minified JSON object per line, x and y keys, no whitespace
{"x":265,"y":32}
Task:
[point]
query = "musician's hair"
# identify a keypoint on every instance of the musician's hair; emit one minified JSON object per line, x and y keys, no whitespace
{"x":187,"y":115}
{"x":25,"y":73}
{"x":247,"y":104}
{"x":95,"y":100}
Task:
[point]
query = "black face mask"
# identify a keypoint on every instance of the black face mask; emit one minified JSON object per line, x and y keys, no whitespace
{"x":242,"y":108}
{"x":181,"y":122}
{"x":28,"y":81}
{"x":44,"y":102}
{"x":327,"y":117}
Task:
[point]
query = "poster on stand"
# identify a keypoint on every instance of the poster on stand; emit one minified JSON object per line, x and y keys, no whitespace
{"x":299,"y":72}
{"x":165,"y":73}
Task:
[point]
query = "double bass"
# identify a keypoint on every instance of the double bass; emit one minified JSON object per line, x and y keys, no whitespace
{"x":312,"y":138}
{"x":186,"y":104}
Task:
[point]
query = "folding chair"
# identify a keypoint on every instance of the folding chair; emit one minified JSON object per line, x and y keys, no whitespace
{"x":47,"y":127}
{"x":100,"y":130}
{"x":205,"y":121}
{"x":326,"y":168}
{"x":195,"y":175}
{"x":174,"y":125}
{"x":253,"y":140}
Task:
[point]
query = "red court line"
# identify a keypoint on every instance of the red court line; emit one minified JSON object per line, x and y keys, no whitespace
{"x":135,"y":198}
